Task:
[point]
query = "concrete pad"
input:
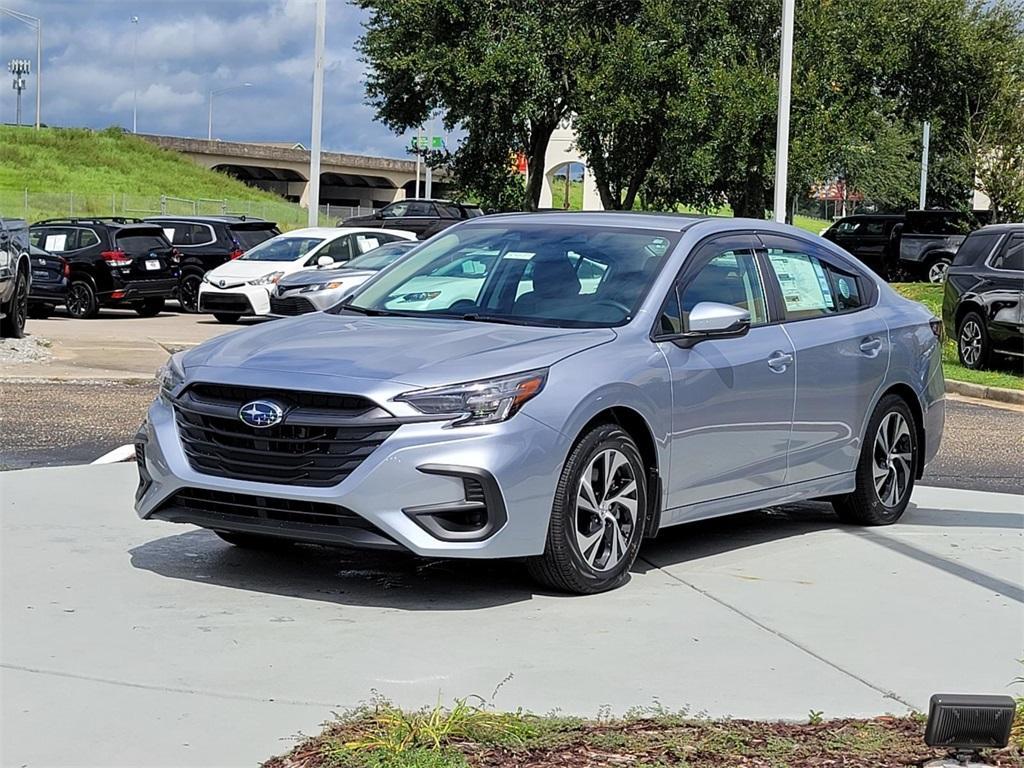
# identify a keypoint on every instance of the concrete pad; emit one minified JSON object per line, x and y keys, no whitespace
{"x":126,"y":642}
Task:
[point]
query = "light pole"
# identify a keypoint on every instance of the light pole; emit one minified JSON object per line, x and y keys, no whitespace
{"x":135,"y":84}
{"x":313,"y":198}
{"x":925,"y":142}
{"x":18,"y":69}
{"x":209,"y":120}
{"x":785,"y":87}
{"x":32,"y":21}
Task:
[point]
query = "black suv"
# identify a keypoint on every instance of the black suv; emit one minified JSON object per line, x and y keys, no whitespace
{"x":50,"y":282}
{"x":983,"y":302}
{"x":115,"y":262}
{"x":206,"y":242}
{"x":869,"y":237}
{"x":420,"y":216}
{"x":15,"y":277}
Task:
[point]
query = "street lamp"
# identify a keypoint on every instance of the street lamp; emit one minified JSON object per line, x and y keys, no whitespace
{"x":18,"y":69}
{"x":209,"y":119}
{"x":313,"y":196}
{"x":134,"y":20}
{"x":32,"y":21}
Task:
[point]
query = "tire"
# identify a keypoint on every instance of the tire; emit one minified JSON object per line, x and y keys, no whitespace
{"x":150,"y":307}
{"x":223,"y":317}
{"x":81,"y":301}
{"x":935,"y":268}
{"x":581,"y":547}
{"x":972,"y":344}
{"x":883,"y":489}
{"x":40,"y":311}
{"x":254,"y":540}
{"x":188,"y":292}
{"x":13,"y":324}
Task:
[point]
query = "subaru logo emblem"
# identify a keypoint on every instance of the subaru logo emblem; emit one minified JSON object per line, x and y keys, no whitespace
{"x":261,"y":414}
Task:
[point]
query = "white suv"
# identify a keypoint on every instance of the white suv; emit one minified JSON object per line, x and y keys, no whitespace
{"x":242,"y":287}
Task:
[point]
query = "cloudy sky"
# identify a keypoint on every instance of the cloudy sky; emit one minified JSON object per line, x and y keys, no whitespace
{"x":185,"y":49}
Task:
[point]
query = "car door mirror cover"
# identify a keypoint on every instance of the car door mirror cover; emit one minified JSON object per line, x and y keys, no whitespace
{"x":711,"y":320}
{"x":325,"y":261}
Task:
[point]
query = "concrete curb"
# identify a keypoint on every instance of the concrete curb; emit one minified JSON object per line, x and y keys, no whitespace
{"x":999,"y":394}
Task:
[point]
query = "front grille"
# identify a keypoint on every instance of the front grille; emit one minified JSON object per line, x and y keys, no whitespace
{"x":262,"y":508}
{"x":322,"y":438}
{"x":291,"y":305}
{"x":224,"y":302}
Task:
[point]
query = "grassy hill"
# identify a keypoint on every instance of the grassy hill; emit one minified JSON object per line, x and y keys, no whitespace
{"x":70,"y":171}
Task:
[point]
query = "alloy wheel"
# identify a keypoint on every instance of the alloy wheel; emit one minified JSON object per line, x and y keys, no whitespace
{"x":606,"y":509}
{"x":78,"y":300}
{"x":893,"y":459}
{"x":937,"y":271}
{"x":970,"y":343}
{"x":19,"y":309}
{"x":188,"y":294}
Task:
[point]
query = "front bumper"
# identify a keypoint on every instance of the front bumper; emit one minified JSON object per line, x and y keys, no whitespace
{"x":239,"y":300}
{"x":401,"y":496}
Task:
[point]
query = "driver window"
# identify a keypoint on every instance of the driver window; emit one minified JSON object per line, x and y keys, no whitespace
{"x":339,"y":250}
{"x":395,"y":210}
{"x":731,"y":278}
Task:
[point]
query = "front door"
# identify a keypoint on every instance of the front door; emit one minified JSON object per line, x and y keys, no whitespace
{"x":732,"y":399}
{"x":842,"y":354}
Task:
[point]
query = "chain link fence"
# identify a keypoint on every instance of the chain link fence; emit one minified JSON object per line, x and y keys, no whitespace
{"x":34,"y":206}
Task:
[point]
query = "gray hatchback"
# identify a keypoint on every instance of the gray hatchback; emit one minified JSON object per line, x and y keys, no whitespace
{"x":556,"y":387}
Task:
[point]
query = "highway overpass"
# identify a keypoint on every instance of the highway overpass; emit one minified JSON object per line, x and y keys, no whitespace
{"x":357,"y":180}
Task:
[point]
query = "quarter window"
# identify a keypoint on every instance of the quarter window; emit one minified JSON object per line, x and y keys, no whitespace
{"x":86,"y":239}
{"x":1012,"y":256}
{"x":732,"y":278}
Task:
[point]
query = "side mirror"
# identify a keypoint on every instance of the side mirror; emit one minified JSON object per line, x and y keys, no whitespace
{"x":325,"y":261}
{"x":378,"y":215}
{"x":711,"y":320}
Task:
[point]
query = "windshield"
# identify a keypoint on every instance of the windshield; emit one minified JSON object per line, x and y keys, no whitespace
{"x":527,"y":274}
{"x":282,"y":248}
{"x":381,"y":257}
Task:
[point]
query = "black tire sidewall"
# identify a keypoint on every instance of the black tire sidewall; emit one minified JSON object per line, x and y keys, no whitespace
{"x":222,"y":317}
{"x":194,"y":308}
{"x":983,"y":357}
{"x":150,"y":307}
{"x":563,"y":513}
{"x":13,"y":325}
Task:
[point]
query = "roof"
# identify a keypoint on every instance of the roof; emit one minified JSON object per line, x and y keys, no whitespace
{"x":1010,"y":226}
{"x":872,"y":216}
{"x":631,"y":219}
{"x":213,"y":218}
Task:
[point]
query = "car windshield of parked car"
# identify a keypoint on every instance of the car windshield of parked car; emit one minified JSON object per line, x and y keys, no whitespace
{"x":379,"y":258}
{"x":282,"y":248}
{"x":526,"y":274}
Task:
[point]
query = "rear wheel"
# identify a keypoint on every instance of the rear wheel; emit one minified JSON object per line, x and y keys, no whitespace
{"x":188,"y":292}
{"x":935,"y":270}
{"x":40,"y":311}
{"x":972,"y":341}
{"x":12,"y":326}
{"x":254,"y":540}
{"x":150,"y":307}
{"x":224,"y":317}
{"x":81,"y":302}
{"x":885,"y":472}
{"x":598,"y":516}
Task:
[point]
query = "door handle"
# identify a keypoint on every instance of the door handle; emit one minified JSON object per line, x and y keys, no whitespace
{"x":779,"y":361}
{"x":871,"y":345}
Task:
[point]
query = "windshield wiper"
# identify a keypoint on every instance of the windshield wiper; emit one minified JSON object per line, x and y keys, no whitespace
{"x":474,"y":317}
{"x":371,"y":312}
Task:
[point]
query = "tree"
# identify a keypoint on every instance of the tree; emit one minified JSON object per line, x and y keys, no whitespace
{"x":500,"y":70}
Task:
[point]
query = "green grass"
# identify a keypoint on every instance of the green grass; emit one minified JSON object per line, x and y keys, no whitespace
{"x":476,"y":735}
{"x":1008,"y":375}
{"x":70,"y":171}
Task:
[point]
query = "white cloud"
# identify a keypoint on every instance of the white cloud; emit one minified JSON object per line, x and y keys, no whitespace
{"x":157,"y":97}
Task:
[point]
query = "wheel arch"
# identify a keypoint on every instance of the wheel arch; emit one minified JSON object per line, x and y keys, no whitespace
{"x":968,"y":304}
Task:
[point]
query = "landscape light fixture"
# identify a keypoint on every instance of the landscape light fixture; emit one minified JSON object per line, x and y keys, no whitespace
{"x":965,"y":724}
{"x":18,"y":69}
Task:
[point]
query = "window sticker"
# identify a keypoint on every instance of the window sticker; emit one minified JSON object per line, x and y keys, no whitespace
{"x":55,"y":242}
{"x":169,"y":234}
{"x":804,"y":287}
{"x":844,"y":287}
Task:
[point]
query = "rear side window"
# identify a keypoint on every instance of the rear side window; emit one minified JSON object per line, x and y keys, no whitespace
{"x":875,"y":228}
{"x":976,"y":248}
{"x":813,"y":288}
{"x":418,"y":208}
{"x":939,"y":223}
{"x":1012,"y":256}
{"x":250,"y":237}
{"x":185,"y":233}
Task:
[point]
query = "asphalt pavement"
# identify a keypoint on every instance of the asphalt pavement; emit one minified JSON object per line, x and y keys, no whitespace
{"x":128,"y":642}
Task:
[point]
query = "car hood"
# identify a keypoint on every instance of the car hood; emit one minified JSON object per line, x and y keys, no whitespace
{"x":316,"y":276}
{"x":415,"y":351}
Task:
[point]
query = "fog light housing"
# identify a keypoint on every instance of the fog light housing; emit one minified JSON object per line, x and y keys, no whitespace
{"x":965,"y":723}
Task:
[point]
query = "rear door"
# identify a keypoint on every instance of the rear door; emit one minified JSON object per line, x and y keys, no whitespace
{"x":149,"y":251}
{"x":46,"y":267}
{"x":842,"y":353}
{"x":1006,"y":299}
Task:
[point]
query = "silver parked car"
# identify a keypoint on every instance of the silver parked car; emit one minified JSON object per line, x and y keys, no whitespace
{"x":319,"y":288}
{"x":599,"y":377}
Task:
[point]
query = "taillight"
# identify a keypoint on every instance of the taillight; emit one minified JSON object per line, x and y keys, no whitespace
{"x":936,"y":326}
{"x":117,"y":258}
{"x":175,"y":255}
{"x":236,"y":254}
{"x":67,"y":268}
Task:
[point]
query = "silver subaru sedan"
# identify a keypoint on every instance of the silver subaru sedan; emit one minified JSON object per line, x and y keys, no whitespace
{"x":556,"y":387}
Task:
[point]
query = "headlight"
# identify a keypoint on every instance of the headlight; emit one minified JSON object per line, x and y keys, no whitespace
{"x":171,"y":376}
{"x":421,"y":296}
{"x":268,"y":279}
{"x":324,"y":286}
{"x":479,"y":402}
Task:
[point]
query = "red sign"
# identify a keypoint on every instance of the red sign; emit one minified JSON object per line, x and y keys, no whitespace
{"x":521,"y":162}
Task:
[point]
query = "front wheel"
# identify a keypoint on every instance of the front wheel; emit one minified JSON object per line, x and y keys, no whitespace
{"x":598,"y":516}
{"x":887,"y":467}
{"x":150,"y":307}
{"x":223,"y":317}
{"x":188,"y":292}
{"x":972,"y":341}
{"x":12,"y":326}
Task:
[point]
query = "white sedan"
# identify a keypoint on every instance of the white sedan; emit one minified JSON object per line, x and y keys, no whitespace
{"x":242,"y":287}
